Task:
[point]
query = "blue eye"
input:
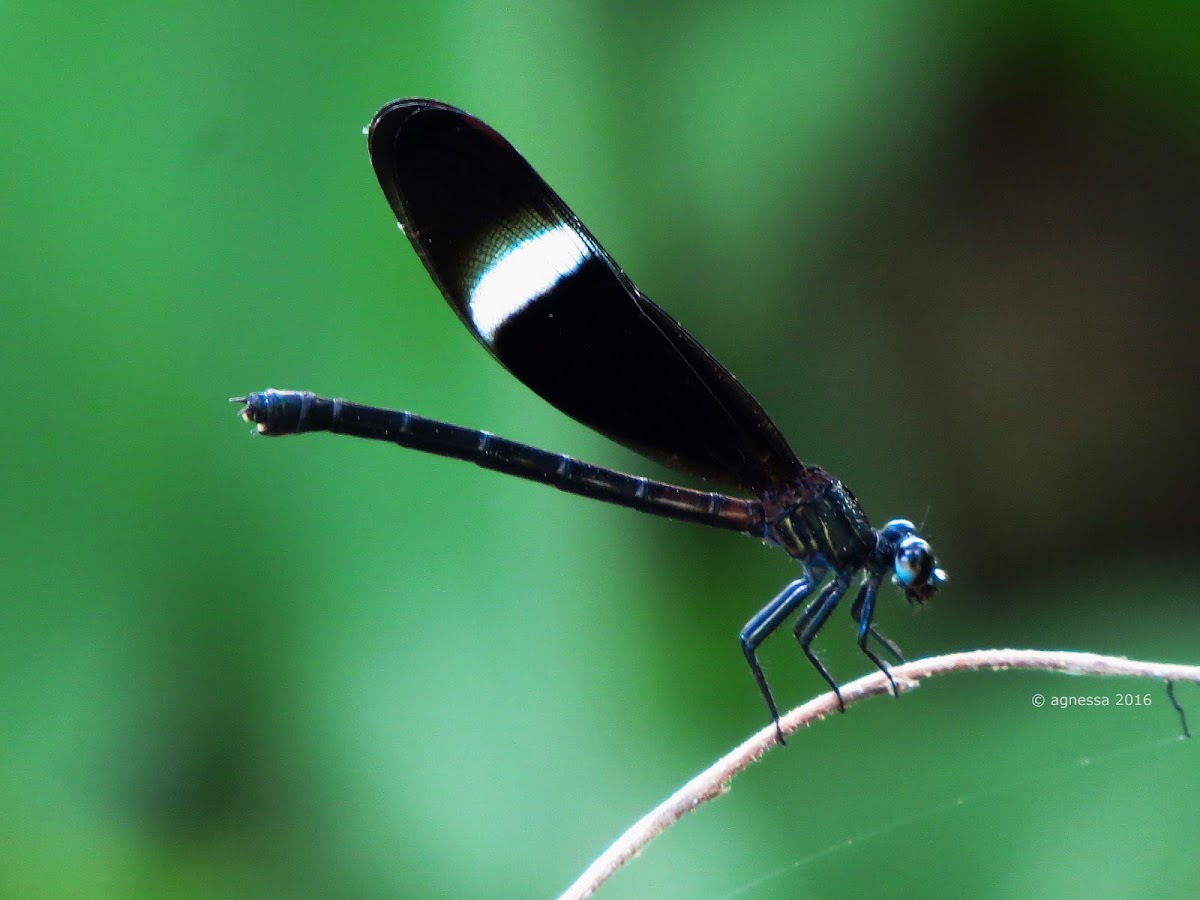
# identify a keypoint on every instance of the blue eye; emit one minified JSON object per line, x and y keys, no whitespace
{"x":913,"y":561}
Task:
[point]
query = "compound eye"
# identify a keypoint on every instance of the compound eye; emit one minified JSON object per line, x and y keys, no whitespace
{"x":897,"y":529}
{"x":914,"y":561}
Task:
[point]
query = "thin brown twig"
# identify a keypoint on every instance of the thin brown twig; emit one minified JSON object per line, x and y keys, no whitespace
{"x":714,"y":781}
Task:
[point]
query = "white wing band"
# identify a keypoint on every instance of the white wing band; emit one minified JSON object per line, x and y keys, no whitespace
{"x":526,"y":272}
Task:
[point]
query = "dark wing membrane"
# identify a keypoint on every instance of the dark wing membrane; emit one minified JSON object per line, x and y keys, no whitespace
{"x":537,"y":290}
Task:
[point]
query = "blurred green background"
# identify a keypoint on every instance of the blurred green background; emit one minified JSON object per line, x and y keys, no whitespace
{"x":952,"y":249}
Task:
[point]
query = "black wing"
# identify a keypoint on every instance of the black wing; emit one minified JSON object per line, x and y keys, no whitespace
{"x":538,"y":291}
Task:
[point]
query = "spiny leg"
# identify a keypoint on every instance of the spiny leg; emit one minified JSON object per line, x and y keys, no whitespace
{"x":857,"y":614}
{"x":803,"y":620}
{"x":811,"y":621}
{"x":861,"y":611}
{"x":765,"y":622}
